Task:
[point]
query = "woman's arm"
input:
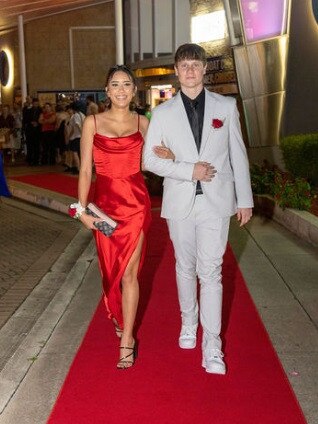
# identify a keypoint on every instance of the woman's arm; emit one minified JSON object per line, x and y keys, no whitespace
{"x":143,"y":124}
{"x":85,"y":174}
{"x":162,"y":151}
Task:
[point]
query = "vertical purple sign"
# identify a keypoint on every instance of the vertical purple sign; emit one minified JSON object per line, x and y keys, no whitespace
{"x":263,"y":18}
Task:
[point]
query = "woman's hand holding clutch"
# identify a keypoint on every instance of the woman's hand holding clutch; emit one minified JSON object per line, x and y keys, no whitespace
{"x":93,"y":218}
{"x":103,"y":222}
{"x":77,"y":211}
{"x":88,"y":221}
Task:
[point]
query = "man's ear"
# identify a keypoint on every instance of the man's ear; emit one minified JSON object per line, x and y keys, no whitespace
{"x":204,"y":69}
{"x":176,"y":70}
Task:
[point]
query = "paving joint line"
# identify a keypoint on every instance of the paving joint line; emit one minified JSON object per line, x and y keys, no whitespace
{"x":281,"y":277}
{"x":84,"y":260}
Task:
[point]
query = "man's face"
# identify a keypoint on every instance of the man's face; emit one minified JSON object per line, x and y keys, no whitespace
{"x":5,"y":111}
{"x":190,"y":73}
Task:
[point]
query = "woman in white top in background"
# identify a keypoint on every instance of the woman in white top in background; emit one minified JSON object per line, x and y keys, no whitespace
{"x":74,"y":129}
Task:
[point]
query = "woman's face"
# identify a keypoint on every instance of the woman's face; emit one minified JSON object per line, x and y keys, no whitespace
{"x":120,"y":89}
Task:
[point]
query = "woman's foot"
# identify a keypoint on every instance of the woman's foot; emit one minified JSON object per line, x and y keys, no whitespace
{"x":127,"y":355}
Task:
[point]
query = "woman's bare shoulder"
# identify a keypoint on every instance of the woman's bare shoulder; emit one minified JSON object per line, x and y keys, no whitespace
{"x":143,"y":119}
{"x":89,"y":126}
{"x":90,"y":120}
{"x":144,"y":123}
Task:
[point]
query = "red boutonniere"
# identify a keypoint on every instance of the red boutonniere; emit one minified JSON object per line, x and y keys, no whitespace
{"x":217,"y":123}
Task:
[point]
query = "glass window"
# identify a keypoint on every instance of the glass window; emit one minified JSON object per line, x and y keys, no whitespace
{"x":263,"y":18}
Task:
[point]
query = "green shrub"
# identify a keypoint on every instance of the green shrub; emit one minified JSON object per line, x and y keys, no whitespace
{"x":290,"y":193}
{"x":287,"y":191}
{"x":263,"y":179}
{"x":300,"y":153}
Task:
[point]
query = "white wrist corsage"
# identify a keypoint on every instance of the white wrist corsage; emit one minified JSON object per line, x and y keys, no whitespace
{"x":75,"y":210}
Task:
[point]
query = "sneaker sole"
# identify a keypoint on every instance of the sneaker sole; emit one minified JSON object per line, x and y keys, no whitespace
{"x":187,"y":347}
{"x":215,"y":370}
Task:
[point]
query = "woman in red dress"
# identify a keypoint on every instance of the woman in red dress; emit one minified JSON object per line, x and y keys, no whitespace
{"x":113,"y":140}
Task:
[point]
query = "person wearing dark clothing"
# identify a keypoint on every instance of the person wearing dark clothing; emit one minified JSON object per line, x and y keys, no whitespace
{"x":62,"y":117}
{"x":74,"y":129}
{"x":32,"y":131}
{"x":7,"y":119}
{"x":47,"y":120}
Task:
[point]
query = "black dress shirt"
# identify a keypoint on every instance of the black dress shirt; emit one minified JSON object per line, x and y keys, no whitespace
{"x":195,"y":113}
{"x":198,"y":104}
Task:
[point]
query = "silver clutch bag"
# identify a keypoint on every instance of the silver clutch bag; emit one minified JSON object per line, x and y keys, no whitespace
{"x":107,"y":226}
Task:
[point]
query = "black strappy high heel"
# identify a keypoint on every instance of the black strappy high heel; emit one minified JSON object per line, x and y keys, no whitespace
{"x":125,"y":363}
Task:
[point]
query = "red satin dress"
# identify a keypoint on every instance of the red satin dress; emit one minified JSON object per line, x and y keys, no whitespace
{"x":120,"y":191}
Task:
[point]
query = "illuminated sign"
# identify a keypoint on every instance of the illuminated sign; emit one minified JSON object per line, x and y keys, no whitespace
{"x":263,"y":18}
{"x":315,"y":9}
{"x":6,"y":68}
{"x":209,"y":27}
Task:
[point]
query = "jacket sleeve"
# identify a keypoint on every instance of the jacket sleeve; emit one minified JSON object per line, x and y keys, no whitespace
{"x":239,"y":162}
{"x":178,"y":170}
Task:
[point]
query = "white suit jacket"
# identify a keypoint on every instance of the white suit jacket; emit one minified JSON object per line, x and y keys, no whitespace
{"x":222,"y":147}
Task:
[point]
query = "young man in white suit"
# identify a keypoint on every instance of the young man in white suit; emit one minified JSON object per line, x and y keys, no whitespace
{"x":206,"y":181}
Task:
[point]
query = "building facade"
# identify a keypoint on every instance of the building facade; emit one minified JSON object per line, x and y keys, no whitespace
{"x":263,"y":52}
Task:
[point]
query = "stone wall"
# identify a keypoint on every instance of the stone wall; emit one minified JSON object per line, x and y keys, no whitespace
{"x":48,"y":49}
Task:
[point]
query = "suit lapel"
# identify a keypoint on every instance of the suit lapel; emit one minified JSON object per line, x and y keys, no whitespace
{"x":209,"y":112}
{"x":185,"y":123}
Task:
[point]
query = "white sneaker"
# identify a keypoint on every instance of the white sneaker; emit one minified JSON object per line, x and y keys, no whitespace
{"x":213,"y":361}
{"x":188,"y":337}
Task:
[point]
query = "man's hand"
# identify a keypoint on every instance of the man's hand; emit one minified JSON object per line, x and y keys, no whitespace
{"x":203,"y":171}
{"x":244,"y":215}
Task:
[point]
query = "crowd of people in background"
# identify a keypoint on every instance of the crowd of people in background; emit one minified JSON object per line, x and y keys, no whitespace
{"x":49,"y":134}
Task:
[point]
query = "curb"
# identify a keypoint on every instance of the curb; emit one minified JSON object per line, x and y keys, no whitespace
{"x":301,"y":223}
{"x":40,"y":196}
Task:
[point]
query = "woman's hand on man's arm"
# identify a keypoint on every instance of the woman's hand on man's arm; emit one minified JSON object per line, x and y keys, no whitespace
{"x":164,"y":152}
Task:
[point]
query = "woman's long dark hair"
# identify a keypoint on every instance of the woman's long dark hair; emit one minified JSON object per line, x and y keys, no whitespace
{"x":120,"y":68}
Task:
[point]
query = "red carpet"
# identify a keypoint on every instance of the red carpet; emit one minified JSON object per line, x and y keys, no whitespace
{"x":64,"y":184}
{"x":168,"y":385}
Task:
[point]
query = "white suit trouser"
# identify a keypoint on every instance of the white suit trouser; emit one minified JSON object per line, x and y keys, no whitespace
{"x":199,"y":243}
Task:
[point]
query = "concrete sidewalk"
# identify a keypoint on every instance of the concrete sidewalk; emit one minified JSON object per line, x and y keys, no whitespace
{"x":280,"y":271}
